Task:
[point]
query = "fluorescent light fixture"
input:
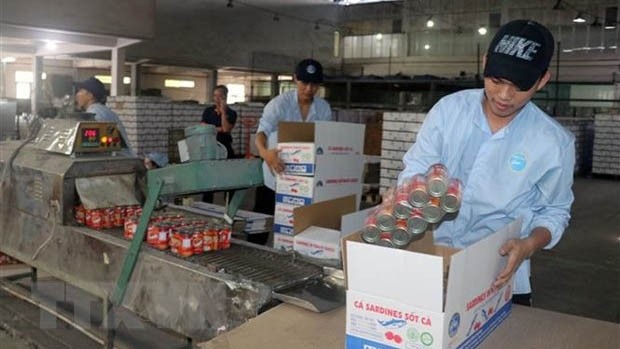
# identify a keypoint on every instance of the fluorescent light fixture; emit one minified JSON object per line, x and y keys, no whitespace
{"x":43,"y":76}
{"x":8,"y":59}
{"x":579,"y":18}
{"x":427,"y":46}
{"x":107,"y":79}
{"x":379,"y":36}
{"x":356,"y":2}
{"x":179,"y":83}
{"x":482,"y":30}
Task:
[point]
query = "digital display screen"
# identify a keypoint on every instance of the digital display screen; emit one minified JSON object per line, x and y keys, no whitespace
{"x":90,"y":137}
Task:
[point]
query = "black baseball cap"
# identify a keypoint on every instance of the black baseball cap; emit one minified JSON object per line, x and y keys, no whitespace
{"x":94,"y":86}
{"x":309,"y":70}
{"x":520,"y":52}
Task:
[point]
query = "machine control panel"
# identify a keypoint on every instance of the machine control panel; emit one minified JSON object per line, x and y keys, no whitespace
{"x":97,"y":137}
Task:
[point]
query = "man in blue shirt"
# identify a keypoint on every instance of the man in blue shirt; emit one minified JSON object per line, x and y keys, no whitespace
{"x":513,"y":159}
{"x":91,"y":97}
{"x":300,"y":104}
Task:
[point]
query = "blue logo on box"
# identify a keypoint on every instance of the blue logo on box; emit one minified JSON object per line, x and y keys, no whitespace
{"x":455,"y":322}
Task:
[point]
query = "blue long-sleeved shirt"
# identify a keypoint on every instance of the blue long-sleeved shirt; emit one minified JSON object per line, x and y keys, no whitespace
{"x":286,"y":108}
{"x":523,"y":170}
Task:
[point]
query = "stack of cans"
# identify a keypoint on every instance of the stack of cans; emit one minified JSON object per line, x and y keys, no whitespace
{"x":407,"y":210}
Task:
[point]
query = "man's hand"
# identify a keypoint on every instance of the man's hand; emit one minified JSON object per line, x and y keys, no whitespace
{"x":519,"y":250}
{"x":272,"y":158}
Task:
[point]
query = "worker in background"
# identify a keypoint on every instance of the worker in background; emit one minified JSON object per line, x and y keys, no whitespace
{"x":91,"y":97}
{"x":513,"y":159}
{"x":223,"y":118}
{"x":300,"y":104}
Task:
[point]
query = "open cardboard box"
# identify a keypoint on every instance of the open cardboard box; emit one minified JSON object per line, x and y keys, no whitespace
{"x":326,"y":214}
{"x":399,"y":299}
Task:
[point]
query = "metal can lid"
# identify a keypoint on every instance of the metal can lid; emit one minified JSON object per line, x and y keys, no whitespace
{"x":436,"y":187}
{"x":401,"y":238}
{"x":432,"y":214}
{"x":416,"y":225}
{"x":418,"y":198}
{"x":371,"y":234}
{"x":450,"y":203}
{"x":386,"y":222}
{"x":402,"y":210}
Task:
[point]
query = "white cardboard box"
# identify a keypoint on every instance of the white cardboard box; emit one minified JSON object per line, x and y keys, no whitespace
{"x":283,"y":242}
{"x":298,"y":157}
{"x":283,"y":214}
{"x":318,"y":242}
{"x":402,"y":301}
{"x":342,"y":177}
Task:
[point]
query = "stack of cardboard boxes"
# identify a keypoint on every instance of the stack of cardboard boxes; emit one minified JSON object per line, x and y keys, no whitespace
{"x":323,"y":161}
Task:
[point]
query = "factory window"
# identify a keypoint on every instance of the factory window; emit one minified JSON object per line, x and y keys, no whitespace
{"x":179,"y":83}
{"x":236,"y":93}
{"x":23,"y":82}
{"x":373,"y":46}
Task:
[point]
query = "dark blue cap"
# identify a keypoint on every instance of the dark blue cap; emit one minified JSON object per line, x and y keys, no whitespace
{"x":94,"y":86}
{"x":309,"y":70}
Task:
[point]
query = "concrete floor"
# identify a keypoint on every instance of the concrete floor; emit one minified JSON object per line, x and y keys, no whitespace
{"x":580,"y":276}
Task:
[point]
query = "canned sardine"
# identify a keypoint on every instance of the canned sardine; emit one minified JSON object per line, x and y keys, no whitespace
{"x":437,"y":179}
{"x":416,"y":223}
{"x":432,"y":212}
{"x":451,"y":201}
{"x":418,"y":196}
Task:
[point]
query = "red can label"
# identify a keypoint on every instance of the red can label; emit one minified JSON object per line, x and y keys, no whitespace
{"x":118,"y":220}
{"x":223,"y":238}
{"x":96,"y":219}
{"x":131,"y":224}
{"x":108,"y":218}
{"x":210,"y":239}
{"x":80,"y":214}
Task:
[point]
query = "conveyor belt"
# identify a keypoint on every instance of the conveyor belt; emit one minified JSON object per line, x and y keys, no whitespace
{"x":273,"y":268}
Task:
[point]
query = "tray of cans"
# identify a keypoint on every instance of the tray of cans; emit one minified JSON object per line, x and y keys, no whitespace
{"x":183,"y":236}
{"x":408,"y":209}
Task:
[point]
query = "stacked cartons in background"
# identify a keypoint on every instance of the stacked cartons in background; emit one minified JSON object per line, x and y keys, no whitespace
{"x":323,"y":161}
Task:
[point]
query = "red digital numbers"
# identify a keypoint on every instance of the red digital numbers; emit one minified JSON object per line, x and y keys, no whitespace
{"x":90,"y":133}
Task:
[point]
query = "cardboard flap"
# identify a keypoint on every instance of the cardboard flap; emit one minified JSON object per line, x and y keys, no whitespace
{"x":326,"y":214}
{"x":410,"y":278}
{"x":289,"y":131}
{"x":483,"y":257}
{"x":337,"y":137}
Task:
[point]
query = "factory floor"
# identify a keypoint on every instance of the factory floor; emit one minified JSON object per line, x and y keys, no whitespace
{"x":580,"y":276}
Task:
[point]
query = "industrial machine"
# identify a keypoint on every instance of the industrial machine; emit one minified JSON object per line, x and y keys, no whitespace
{"x":69,"y":161}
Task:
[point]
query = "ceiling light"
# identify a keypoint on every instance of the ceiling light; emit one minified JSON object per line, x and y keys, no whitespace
{"x":429,"y":22}
{"x":427,"y":46}
{"x":8,"y":59}
{"x":51,"y":45}
{"x":43,"y":76}
{"x":610,"y":26}
{"x":482,"y":30}
{"x":579,"y":18}
{"x":379,"y":36}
